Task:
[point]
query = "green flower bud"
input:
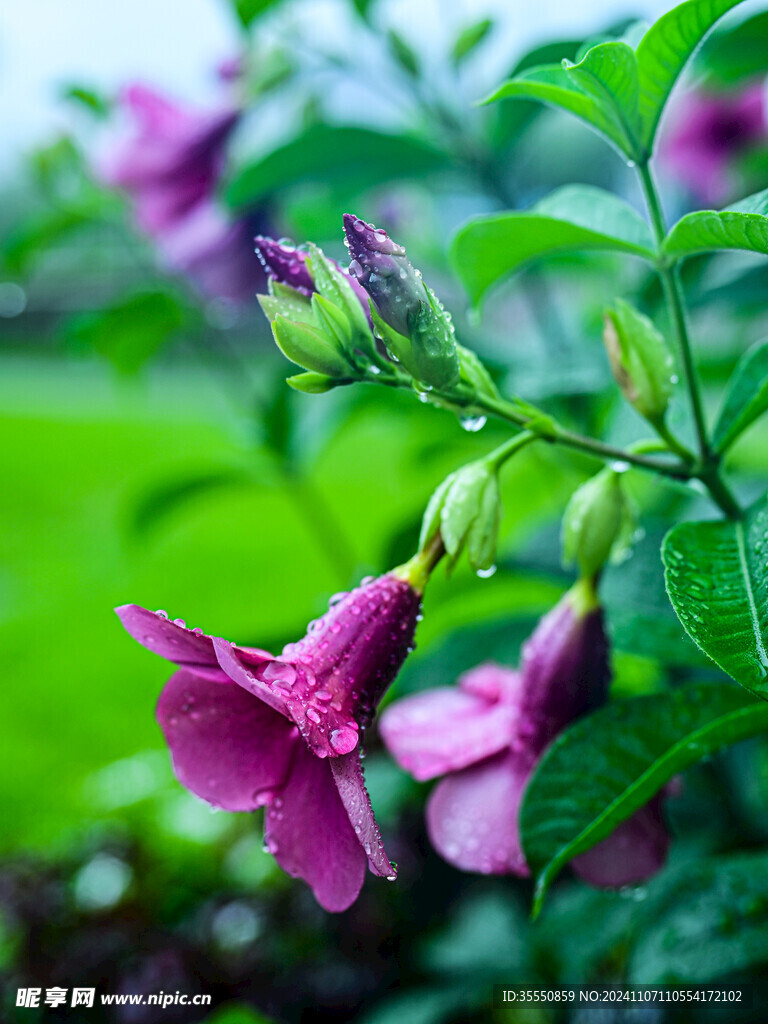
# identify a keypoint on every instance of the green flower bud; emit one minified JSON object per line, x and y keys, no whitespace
{"x":309,"y":347}
{"x":640,"y":359}
{"x":314,"y":383}
{"x":598,"y":523}
{"x":466,"y":510}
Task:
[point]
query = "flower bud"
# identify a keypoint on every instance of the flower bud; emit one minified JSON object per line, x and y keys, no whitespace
{"x":285,"y":264}
{"x":597,"y":523}
{"x":640,"y":360}
{"x":308,"y":347}
{"x":466,"y":509}
{"x":413,"y":324}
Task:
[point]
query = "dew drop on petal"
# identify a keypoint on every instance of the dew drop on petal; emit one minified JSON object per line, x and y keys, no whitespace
{"x":343,"y":740}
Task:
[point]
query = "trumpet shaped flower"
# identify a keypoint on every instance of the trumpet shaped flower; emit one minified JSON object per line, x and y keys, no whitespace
{"x":247,"y":729}
{"x":173,"y":160}
{"x":486,"y":736}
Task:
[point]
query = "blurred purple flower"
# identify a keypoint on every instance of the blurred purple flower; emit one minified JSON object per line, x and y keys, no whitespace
{"x":246,"y":729}
{"x":230,"y":69}
{"x":214,"y":252}
{"x":487,"y":736}
{"x":705,"y":131}
{"x":170,"y":169}
{"x":173,"y":160}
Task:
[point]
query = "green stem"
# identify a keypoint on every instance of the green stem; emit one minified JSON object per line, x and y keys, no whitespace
{"x":673,"y":292}
{"x":505,"y":451}
{"x":559,"y":435}
{"x":707,"y":471}
{"x":673,"y":443}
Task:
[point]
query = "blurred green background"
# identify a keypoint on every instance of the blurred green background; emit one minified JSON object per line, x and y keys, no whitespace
{"x":153,"y":454}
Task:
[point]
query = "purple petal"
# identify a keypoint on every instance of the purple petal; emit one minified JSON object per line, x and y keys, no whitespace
{"x":493,"y":682}
{"x":213,"y":252}
{"x":171,"y":640}
{"x":228,"y":747}
{"x":241,"y":665}
{"x":633,"y":852}
{"x":472,"y":816}
{"x":308,"y":830}
{"x":348,"y":658}
{"x":443,"y":730}
{"x":350,"y":782}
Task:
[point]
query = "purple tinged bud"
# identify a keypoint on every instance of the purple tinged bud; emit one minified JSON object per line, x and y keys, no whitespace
{"x":285,"y":264}
{"x":384,"y":271}
{"x":565,"y":668}
{"x":415,"y":328}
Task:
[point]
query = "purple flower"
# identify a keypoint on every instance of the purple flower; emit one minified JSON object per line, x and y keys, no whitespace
{"x":705,"y":131}
{"x":487,"y":735}
{"x":172,"y":162}
{"x":247,"y":729}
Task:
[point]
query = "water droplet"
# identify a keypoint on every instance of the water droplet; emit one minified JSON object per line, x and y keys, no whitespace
{"x":486,"y":573}
{"x":313,"y":716}
{"x":180,"y":622}
{"x":279,"y":672}
{"x":473,"y":423}
{"x":162,"y":613}
{"x":344,"y":740}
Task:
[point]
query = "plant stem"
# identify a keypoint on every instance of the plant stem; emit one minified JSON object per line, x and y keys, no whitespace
{"x":559,"y":435}
{"x":673,"y":292}
{"x":707,"y":470}
{"x":505,"y":451}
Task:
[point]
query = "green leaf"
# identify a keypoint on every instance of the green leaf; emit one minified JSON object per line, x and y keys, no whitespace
{"x":130,"y":332}
{"x":664,"y":51}
{"x":608,"y":72}
{"x":469,"y":39}
{"x":88,"y":98}
{"x":735,"y":54}
{"x":742,"y":226}
{"x":717,"y":580}
{"x":157,"y":504}
{"x":746,"y":398}
{"x":328,"y":154}
{"x":247,"y":11}
{"x":631,"y":748}
{"x":403,"y":53}
{"x":714,"y":922}
{"x":551,"y":84}
{"x":572,"y":218}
